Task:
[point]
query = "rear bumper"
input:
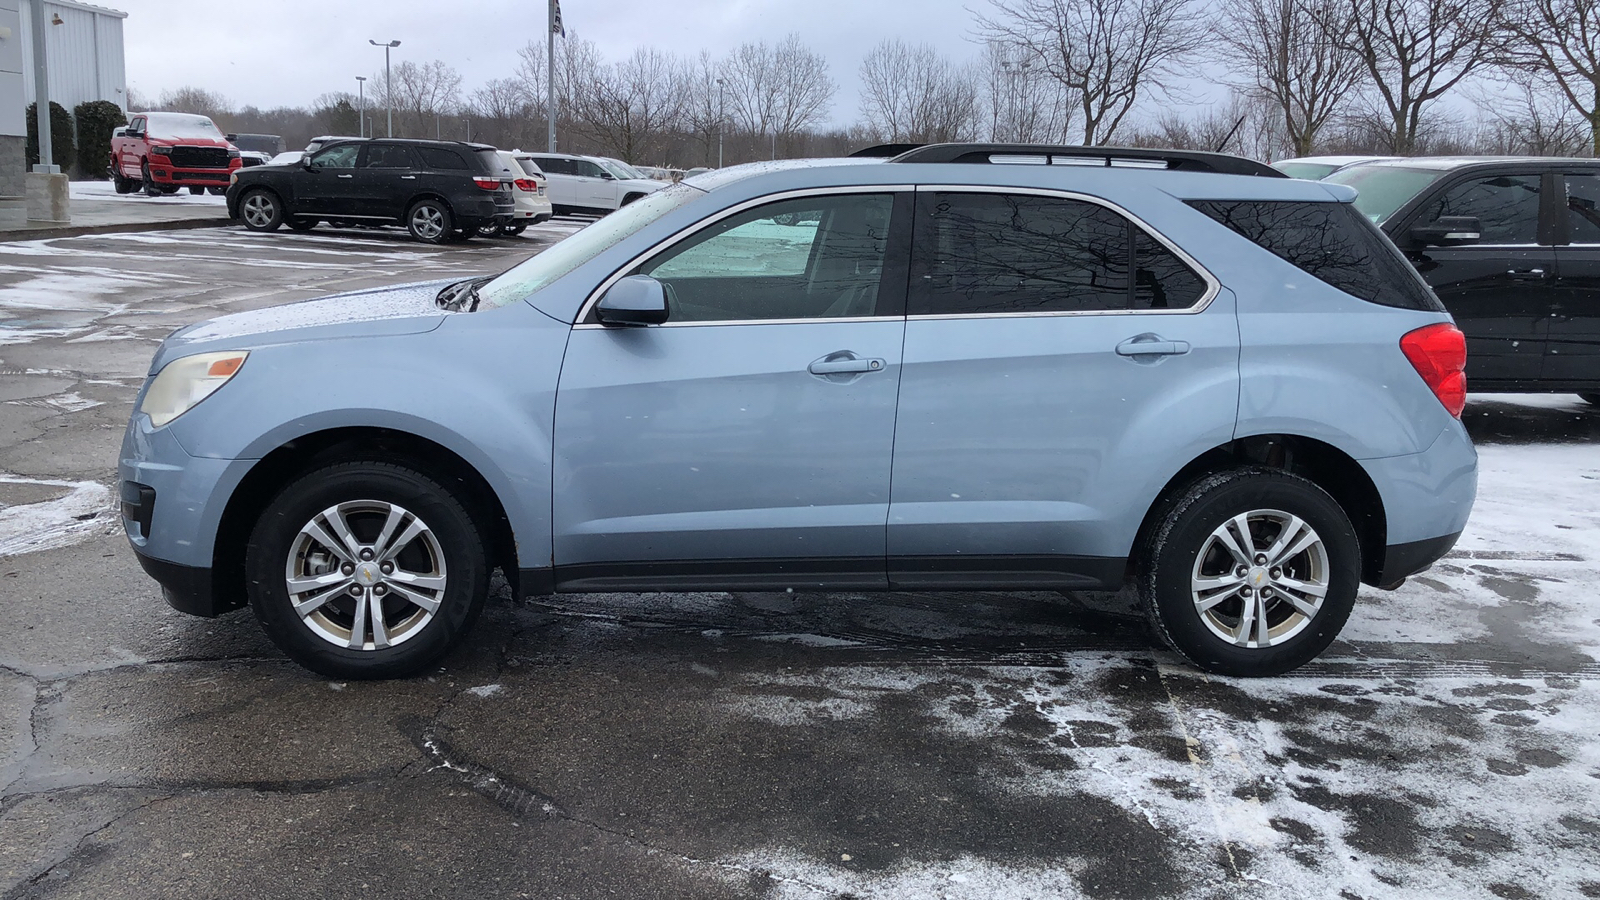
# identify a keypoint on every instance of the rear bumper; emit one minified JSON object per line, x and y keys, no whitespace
{"x":1427,"y":499}
{"x":1401,"y":561}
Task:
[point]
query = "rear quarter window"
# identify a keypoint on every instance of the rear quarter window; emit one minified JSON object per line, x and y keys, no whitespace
{"x":1331,"y":242}
{"x":442,"y":158}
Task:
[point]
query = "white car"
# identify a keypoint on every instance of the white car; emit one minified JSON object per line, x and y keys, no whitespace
{"x":583,"y":184}
{"x":1316,"y":168}
{"x":529,"y":189}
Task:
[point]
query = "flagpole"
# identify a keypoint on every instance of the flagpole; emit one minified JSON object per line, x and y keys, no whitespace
{"x":550,"y":77}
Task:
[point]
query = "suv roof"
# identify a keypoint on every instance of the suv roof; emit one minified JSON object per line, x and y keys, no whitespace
{"x":1459,"y":162}
{"x":1065,"y":154}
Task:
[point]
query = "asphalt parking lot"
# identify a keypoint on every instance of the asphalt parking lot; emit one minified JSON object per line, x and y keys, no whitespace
{"x":755,"y":745}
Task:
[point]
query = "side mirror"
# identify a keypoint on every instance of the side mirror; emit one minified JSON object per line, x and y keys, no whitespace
{"x":634,"y":301}
{"x":307,"y":164}
{"x":1448,"y":231}
{"x":608,"y":176}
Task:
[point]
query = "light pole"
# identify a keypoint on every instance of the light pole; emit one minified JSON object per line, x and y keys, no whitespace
{"x":388,"y":91}
{"x":722,"y":113}
{"x":361,"y":107}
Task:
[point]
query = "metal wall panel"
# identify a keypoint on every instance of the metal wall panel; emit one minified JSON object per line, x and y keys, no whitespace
{"x":84,"y":51}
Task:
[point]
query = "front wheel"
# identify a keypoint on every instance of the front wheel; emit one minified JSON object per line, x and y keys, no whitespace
{"x":429,"y":221}
{"x":1251,"y":572}
{"x":366,"y":570}
{"x":151,"y":189}
{"x":197,"y":189}
{"x":261,"y":211}
{"x":123,"y":184}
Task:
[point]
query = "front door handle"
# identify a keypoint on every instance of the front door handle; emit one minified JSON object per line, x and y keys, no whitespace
{"x":844,"y":363}
{"x":1526,"y":274}
{"x":1151,"y":345}
{"x":408,"y":178}
{"x":346,"y":176}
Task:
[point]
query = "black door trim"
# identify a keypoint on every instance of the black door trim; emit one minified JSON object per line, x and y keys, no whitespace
{"x":865,"y":573}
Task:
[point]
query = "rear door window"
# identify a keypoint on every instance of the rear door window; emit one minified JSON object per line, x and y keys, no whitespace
{"x":1583,"y":209}
{"x":1507,"y":206}
{"x":984,"y":253}
{"x":1330,"y":241}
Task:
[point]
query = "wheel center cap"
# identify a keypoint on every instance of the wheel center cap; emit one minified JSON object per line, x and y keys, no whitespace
{"x":367,"y":574}
{"x":1258,"y":576}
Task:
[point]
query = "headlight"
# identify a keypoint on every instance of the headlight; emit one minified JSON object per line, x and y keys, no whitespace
{"x":186,"y":381}
{"x":234,"y":178}
{"x":161,"y":151}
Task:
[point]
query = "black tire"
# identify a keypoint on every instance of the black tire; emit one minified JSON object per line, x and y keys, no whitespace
{"x":123,"y":185}
{"x":261,"y":210}
{"x":277,"y":534}
{"x":151,"y":189}
{"x":430,"y":222}
{"x":513,"y":230}
{"x":198,"y":190}
{"x":301,"y":224}
{"x":1592,"y":399}
{"x":216,"y":191}
{"x":1188,"y":520}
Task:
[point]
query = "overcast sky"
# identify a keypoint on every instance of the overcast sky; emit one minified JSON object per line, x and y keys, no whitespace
{"x":287,"y":52}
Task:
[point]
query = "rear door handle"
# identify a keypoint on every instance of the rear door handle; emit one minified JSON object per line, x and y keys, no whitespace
{"x":408,"y":178}
{"x":346,"y":176}
{"x":1151,"y":345}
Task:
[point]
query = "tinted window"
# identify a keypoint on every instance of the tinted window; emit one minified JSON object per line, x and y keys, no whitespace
{"x":442,"y":158}
{"x":1331,"y":241}
{"x":1506,"y":205}
{"x":530,"y":167}
{"x":998,"y":253}
{"x":339,"y":156}
{"x":1583,"y":208}
{"x":805,"y":258}
{"x":554,"y":165}
{"x":387,"y":156}
{"x":587,"y":169}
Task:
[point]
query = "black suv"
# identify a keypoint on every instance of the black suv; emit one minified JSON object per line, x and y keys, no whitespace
{"x":1512,"y":247}
{"x":439,"y":190}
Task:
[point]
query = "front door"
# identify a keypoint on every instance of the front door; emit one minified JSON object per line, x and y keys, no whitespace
{"x":329,"y":184}
{"x":747,"y":441}
{"x":1574,"y":354}
{"x":1501,"y":289}
{"x":595,"y":189}
{"x":1047,"y":340}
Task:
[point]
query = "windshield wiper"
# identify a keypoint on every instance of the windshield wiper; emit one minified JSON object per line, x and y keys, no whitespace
{"x":456,"y":296}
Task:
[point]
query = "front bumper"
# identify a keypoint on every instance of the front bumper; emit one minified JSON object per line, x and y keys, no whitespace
{"x":206,"y":177}
{"x":187,"y":589}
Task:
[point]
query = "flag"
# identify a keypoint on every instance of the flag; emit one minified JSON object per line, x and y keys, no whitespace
{"x":555,"y":19}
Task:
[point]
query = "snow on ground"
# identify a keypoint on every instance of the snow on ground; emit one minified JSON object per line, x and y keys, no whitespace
{"x":104,"y":190}
{"x":72,"y":512}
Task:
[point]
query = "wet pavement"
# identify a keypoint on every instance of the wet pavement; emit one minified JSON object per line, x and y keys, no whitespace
{"x":754,"y":745}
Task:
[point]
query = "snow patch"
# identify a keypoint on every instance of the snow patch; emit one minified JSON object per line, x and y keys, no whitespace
{"x":82,"y":512}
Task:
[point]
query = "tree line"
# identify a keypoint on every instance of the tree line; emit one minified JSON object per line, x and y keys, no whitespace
{"x":1303,"y":77}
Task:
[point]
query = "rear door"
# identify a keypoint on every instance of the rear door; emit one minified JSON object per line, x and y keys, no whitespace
{"x":1501,"y":289}
{"x":563,"y":184}
{"x":1574,"y":353}
{"x":384,"y":180}
{"x":1045,"y":332}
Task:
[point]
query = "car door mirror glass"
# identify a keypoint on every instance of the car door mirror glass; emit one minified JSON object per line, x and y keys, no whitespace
{"x":634,"y":301}
{"x":1448,"y":231}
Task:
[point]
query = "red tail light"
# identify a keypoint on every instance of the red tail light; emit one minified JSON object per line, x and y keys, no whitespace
{"x":488,"y":184}
{"x":527,"y":184}
{"x":1439,"y":354}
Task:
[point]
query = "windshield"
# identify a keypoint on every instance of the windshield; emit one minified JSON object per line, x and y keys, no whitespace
{"x":179,"y":125}
{"x":521,"y":281}
{"x":618,"y":168}
{"x":1384,"y":189}
{"x":1308,"y":171}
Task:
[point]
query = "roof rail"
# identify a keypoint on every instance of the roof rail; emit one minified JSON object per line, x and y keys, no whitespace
{"x":884,"y":150}
{"x":1069,"y":155}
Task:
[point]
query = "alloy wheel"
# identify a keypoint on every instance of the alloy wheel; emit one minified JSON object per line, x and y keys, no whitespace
{"x":1260,"y":578}
{"x":258,"y":210}
{"x":427,"y":221}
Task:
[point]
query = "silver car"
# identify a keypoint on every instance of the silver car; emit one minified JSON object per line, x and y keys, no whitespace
{"x":1079,"y":370}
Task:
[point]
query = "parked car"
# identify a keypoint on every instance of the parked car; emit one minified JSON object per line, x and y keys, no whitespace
{"x":580,"y":184}
{"x":1316,"y":168}
{"x":1219,"y":384}
{"x":1512,"y":247}
{"x":164,"y":151}
{"x":322,"y":140}
{"x":287,"y":158}
{"x":439,"y":190}
{"x":528,"y":189}
{"x":256,"y":149}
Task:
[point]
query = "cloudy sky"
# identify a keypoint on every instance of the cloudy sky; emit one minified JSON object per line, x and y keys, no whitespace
{"x":286,"y":52}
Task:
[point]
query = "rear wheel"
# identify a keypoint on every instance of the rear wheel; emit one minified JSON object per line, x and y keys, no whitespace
{"x":513,"y":230}
{"x":1251,"y":572}
{"x":366,"y":570}
{"x":261,"y":211}
{"x":216,"y":191}
{"x":429,"y":221}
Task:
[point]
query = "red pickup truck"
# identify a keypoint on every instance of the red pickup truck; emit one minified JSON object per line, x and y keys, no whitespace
{"x":163,"y":151}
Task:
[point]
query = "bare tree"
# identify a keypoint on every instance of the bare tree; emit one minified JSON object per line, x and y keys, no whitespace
{"x":195,"y":100}
{"x":705,"y":104}
{"x":628,"y":107}
{"x":423,"y":94}
{"x":1413,"y":52}
{"x":1024,"y":104}
{"x":1106,"y":53}
{"x":1290,"y":51}
{"x":915,"y":94}
{"x":1538,"y":120}
{"x":506,"y":115}
{"x":777,"y":90}
{"x":1560,"y":40}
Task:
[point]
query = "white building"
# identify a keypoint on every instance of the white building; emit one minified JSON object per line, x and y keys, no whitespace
{"x":83,"y":44}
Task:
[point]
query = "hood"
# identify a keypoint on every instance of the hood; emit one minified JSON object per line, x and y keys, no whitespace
{"x":379,"y":312}
{"x":156,"y":140}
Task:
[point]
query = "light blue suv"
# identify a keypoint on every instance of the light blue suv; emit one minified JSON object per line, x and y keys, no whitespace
{"x":973,"y":367}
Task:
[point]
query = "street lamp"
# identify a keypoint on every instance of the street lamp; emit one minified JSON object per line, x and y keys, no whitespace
{"x":722,"y":114}
{"x":361,"y":108}
{"x":388,"y":92}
